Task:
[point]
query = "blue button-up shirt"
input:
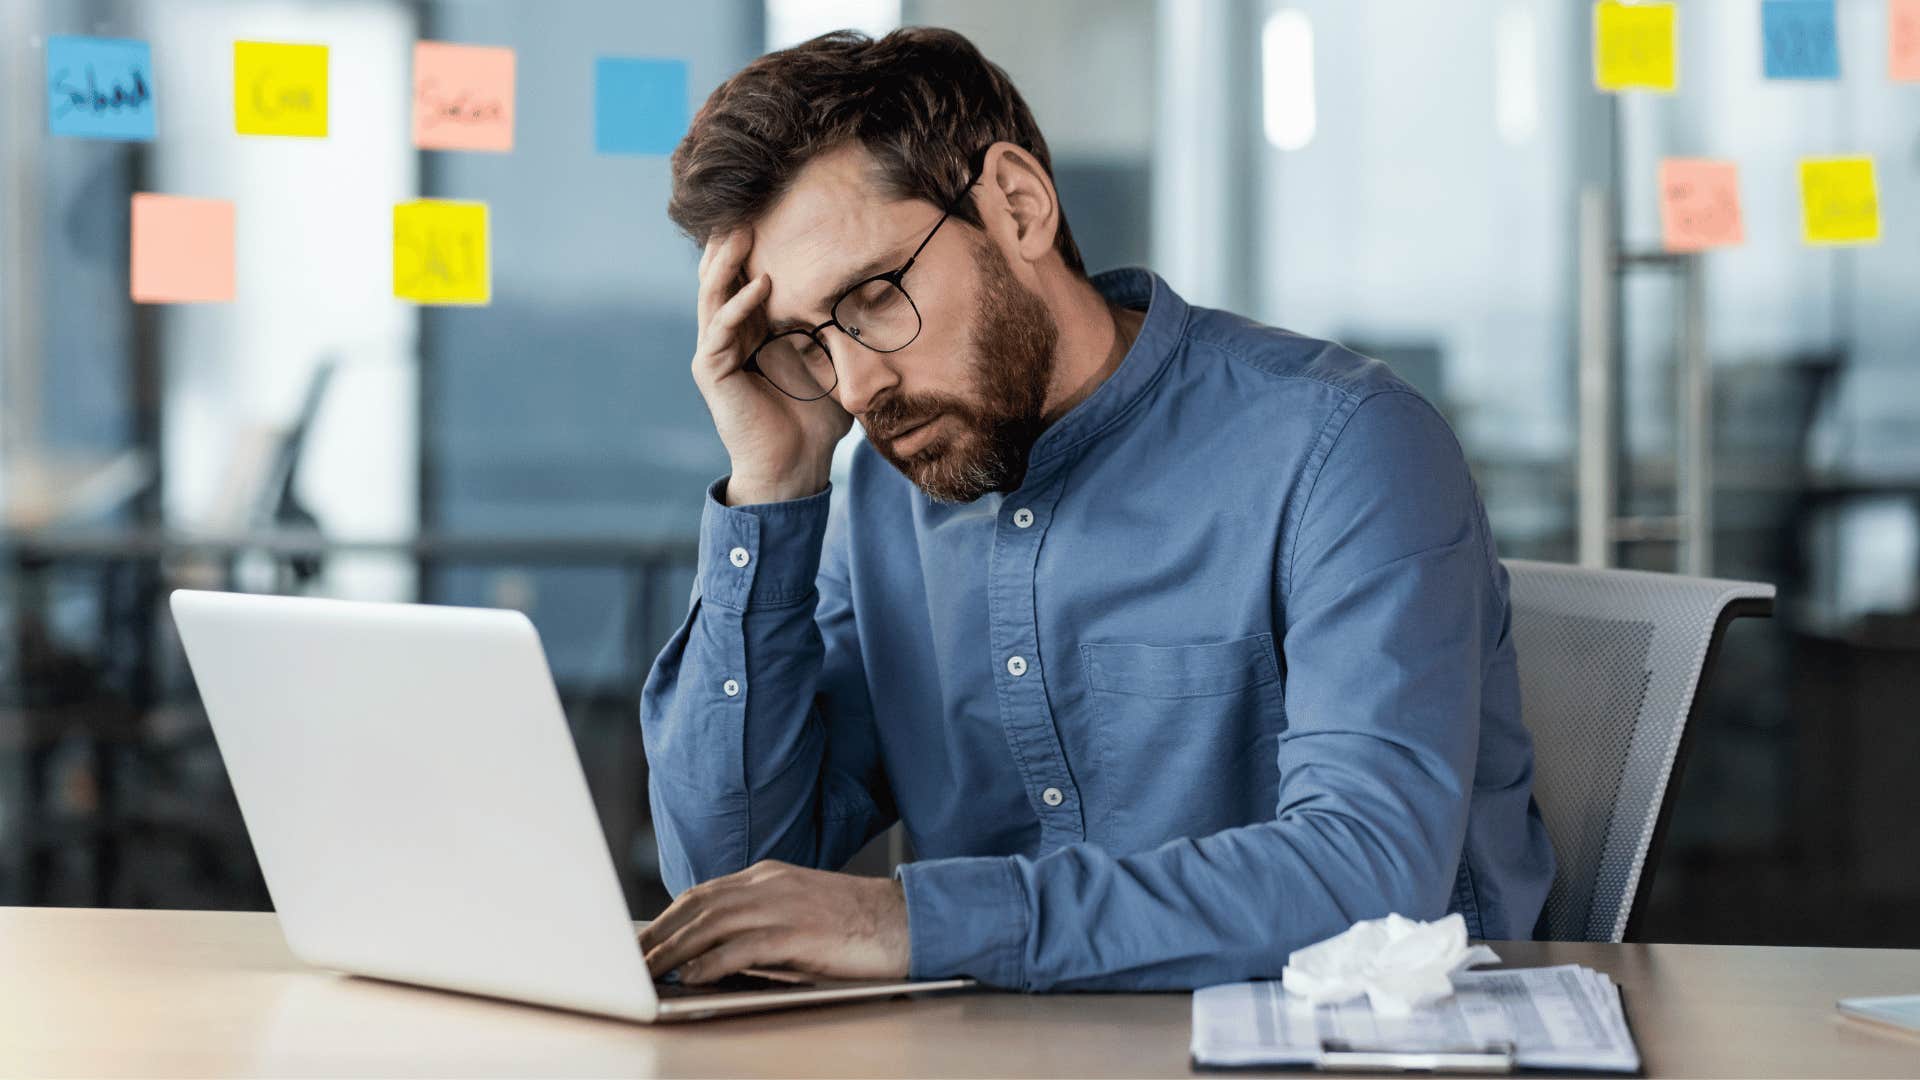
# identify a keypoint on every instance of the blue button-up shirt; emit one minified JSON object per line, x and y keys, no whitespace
{"x":1229,"y":671}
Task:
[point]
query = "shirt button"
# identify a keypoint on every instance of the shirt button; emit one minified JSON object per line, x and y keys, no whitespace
{"x":731,"y":687}
{"x":1023,"y":517}
{"x":1052,"y":796}
{"x":1016,"y":666}
{"x":738,"y":556}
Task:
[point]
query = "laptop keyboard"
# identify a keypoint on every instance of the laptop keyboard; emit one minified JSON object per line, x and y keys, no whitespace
{"x":672,"y":987}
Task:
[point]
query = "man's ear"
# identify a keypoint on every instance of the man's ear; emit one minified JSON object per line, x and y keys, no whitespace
{"x":1018,"y":202}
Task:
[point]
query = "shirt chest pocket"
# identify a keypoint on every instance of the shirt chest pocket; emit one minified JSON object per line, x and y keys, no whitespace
{"x":1186,"y":736}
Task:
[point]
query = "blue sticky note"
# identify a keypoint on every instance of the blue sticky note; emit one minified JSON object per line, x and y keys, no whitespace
{"x":1800,"y":42}
{"x":100,"y":88}
{"x":639,"y":105}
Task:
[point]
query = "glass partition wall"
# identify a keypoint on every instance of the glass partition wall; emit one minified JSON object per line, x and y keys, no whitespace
{"x":1443,"y":189}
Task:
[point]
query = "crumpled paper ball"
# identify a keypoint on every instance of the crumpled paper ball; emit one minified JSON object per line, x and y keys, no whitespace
{"x":1399,"y":963}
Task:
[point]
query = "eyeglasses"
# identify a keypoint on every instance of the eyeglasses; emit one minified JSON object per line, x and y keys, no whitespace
{"x":876,"y":312}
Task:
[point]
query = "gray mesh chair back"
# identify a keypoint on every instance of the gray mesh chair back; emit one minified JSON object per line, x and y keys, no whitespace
{"x":1609,"y":664}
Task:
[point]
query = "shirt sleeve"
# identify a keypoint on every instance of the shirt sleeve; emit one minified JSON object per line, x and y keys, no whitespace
{"x":1386,"y":592}
{"x":755,"y":717}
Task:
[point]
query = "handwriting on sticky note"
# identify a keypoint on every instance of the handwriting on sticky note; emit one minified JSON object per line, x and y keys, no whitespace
{"x":181,"y":249}
{"x":639,"y":104}
{"x":1635,"y":46}
{"x":1699,"y":204}
{"x":440,"y":252}
{"x":1839,"y":201}
{"x":99,"y":88}
{"x":1798,"y":39}
{"x":462,"y":97}
{"x":1903,"y":40}
{"x":280,"y":89}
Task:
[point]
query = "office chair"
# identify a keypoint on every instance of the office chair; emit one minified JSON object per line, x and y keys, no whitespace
{"x":1610,"y":662}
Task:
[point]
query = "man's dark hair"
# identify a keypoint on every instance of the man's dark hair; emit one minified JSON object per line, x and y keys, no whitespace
{"x":923,"y":101}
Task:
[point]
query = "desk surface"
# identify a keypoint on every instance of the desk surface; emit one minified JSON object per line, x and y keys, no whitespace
{"x":159,"y":993}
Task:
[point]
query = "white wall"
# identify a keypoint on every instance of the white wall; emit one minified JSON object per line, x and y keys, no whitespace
{"x":1410,"y":217}
{"x":314,"y":249}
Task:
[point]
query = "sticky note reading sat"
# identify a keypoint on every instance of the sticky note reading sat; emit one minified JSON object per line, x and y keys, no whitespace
{"x":1839,"y":201}
{"x":1699,"y":204}
{"x":1798,"y":39}
{"x":639,"y":105}
{"x":100,"y":88}
{"x":280,"y":89}
{"x":1635,"y":46}
{"x":462,"y":97}
{"x":440,"y":252}
{"x":182,"y":249}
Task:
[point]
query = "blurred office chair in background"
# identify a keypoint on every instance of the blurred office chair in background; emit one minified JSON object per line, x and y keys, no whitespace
{"x":1611,"y":662}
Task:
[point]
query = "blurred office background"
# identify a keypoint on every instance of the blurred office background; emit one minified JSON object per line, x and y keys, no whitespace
{"x":1440,"y":187}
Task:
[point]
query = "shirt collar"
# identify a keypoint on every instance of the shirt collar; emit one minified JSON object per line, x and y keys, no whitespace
{"x":1139,"y":370}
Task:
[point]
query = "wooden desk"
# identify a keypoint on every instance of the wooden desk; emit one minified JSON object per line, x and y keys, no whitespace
{"x":144,"y":993}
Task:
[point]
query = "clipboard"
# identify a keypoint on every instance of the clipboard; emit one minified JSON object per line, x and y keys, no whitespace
{"x":1337,"y":1056}
{"x":1239,"y":1027}
{"x":1490,"y":1060}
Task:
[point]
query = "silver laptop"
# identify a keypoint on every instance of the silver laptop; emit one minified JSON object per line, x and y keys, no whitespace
{"x":420,"y":815}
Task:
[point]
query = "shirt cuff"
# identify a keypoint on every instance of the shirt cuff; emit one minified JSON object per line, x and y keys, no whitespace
{"x":762,"y":554}
{"x":966,"y":916}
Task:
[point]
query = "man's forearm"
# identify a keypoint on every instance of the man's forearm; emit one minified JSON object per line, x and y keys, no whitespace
{"x":1190,"y":913}
{"x":735,"y":745}
{"x":722,"y":800}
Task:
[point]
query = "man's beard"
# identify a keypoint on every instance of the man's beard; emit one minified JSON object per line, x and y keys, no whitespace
{"x":988,"y":439}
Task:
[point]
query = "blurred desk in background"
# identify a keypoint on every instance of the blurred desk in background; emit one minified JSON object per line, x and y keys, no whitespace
{"x":150,"y":993}
{"x":100,"y":710}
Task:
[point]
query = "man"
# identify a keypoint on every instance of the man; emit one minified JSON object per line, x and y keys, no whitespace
{"x":1175,"y":641}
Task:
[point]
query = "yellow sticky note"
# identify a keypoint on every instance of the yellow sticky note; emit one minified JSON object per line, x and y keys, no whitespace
{"x":1635,"y":46}
{"x":279,"y":89}
{"x":440,"y":252}
{"x":1839,"y":201}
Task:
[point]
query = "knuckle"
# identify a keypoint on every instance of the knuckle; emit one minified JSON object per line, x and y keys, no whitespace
{"x":701,"y":923}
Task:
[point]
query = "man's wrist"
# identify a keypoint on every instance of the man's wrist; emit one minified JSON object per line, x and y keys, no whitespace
{"x":894,"y":939}
{"x":747,"y":491}
{"x":760,"y":554}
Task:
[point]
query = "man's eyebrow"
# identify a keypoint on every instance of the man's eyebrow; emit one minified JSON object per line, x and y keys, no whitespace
{"x":872,"y":268}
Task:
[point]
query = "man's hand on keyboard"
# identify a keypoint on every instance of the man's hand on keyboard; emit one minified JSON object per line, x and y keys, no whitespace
{"x":776,"y":915}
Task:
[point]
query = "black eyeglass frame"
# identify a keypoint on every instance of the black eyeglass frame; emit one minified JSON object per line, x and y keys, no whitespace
{"x":891,"y":277}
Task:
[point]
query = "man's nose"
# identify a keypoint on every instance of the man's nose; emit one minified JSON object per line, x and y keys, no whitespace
{"x":863,"y":373}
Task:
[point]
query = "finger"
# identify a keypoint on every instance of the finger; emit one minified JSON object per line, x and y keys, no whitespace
{"x":706,"y":251}
{"x":717,"y":280}
{"x":697,"y":935}
{"x":684,"y":907}
{"x":754,"y":948}
{"x":652,"y":933}
{"x":735,"y":311}
{"x":717,"y":354}
{"x":719,"y":922}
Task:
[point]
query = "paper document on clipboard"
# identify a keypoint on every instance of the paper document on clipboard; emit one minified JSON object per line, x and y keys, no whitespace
{"x":1566,"y":1017}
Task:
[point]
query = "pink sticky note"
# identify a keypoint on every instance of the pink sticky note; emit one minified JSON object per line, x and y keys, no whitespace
{"x":1903,"y":40}
{"x":462,"y":97}
{"x":1699,"y":204}
{"x":182,"y":249}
